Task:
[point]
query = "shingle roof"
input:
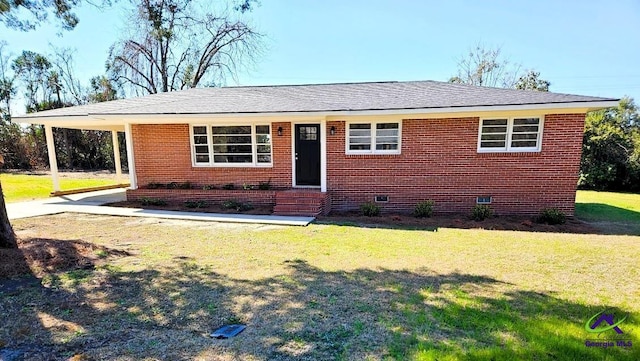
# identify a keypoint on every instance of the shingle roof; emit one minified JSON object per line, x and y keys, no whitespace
{"x":319,"y":98}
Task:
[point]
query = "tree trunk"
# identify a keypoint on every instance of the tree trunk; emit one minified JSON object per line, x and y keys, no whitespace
{"x":7,"y":237}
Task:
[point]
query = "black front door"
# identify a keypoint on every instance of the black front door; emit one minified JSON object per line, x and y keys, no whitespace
{"x":307,"y":154}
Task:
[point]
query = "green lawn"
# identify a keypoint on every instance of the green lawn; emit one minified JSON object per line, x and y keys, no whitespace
{"x":322,"y":292}
{"x":608,"y":206}
{"x":23,"y":187}
{"x":616,"y":213}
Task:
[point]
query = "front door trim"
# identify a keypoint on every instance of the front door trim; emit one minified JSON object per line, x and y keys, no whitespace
{"x":323,"y":153}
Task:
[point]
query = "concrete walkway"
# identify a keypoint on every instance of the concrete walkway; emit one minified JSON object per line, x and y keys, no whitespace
{"x":93,"y":203}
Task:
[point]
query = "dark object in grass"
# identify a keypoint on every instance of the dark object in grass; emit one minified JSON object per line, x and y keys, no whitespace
{"x":228,"y":331}
{"x":229,"y":186}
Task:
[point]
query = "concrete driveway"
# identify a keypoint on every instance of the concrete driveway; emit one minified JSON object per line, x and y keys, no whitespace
{"x":94,"y":203}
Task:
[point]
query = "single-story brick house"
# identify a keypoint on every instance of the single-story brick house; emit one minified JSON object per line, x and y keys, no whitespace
{"x":336,"y":146}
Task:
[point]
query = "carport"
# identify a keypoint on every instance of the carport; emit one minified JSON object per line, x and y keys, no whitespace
{"x":83,"y":122}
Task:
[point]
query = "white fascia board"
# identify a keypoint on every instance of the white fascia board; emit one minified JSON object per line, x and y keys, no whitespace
{"x":107,"y":121}
{"x":577,"y":107}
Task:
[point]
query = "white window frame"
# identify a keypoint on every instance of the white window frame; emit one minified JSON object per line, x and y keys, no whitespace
{"x":254,"y":146}
{"x":508,"y":148}
{"x":373,"y":149}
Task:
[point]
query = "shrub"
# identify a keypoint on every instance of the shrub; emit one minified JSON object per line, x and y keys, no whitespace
{"x":265,"y":186}
{"x":172,"y":185}
{"x":551,"y":216}
{"x":208,"y":187}
{"x":237,"y":205}
{"x":480,"y":212}
{"x":152,"y":201}
{"x":370,"y":209}
{"x":229,"y":186}
{"x":248,"y":187}
{"x":155,"y":185}
{"x":424,"y":209}
{"x":185,"y":185}
{"x":195,"y":204}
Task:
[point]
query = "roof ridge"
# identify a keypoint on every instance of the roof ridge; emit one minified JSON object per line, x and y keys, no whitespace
{"x":313,"y":84}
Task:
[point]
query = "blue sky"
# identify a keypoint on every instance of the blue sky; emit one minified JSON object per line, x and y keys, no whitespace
{"x":583,"y":47}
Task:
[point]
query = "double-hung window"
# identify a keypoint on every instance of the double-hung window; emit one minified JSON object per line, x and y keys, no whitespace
{"x":233,"y":145}
{"x":518,"y":134}
{"x":373,"y":138}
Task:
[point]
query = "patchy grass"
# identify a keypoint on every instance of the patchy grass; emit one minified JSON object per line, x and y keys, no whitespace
{"x":611,"y":211}
{"x":24,"y":187}
{"x":322,"y":292}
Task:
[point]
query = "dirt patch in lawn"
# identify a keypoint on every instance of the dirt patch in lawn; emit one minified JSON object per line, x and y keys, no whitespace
{"x":40,"y":256}
{"x":180,"y":206}
{"x":504,"y":223}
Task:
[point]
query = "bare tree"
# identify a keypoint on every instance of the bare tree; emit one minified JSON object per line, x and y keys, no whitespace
{"x":7,"y":84}
{"x":177,"y":45}
{"x":485,"y":66}
{"x":64,"y":64}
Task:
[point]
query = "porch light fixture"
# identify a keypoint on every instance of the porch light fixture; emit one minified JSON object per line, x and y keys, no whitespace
{"x":279,"y":131}
{"x":332,"y":130}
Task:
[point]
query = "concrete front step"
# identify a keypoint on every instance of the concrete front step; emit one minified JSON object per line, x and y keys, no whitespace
{"x":296,"y":212}
{"x":300,"y":202}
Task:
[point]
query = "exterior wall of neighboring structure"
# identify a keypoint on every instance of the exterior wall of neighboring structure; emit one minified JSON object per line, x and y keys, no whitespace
{"x":439,"y":161}
{"x":163,"y":154}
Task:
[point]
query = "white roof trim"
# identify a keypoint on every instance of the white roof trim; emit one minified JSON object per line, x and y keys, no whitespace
{"x":118,"y":119}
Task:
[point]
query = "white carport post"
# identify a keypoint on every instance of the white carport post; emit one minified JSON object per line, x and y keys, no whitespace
{"x":53,"y":163}
{"x":130,"y":159}
{"x":116,"y":154}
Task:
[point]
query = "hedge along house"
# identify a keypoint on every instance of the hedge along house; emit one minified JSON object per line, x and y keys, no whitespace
{"x":336,"y":146}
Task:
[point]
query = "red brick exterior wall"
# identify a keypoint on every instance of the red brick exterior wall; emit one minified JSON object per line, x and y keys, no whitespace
{"x":163,"y":154}
{"x":439,"y":161}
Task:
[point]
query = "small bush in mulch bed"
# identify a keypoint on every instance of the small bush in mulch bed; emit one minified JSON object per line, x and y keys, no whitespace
{"x":370,"y":209}
{"x":480,"y":212}
{"x":237,"y":205}
{"x":196,"y":204}
{"x":424,"y":209}
{"x":265,"y":186}
{"x":152,"y":201}
{"x":178,"y":185}
{"x":551,"y":216}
